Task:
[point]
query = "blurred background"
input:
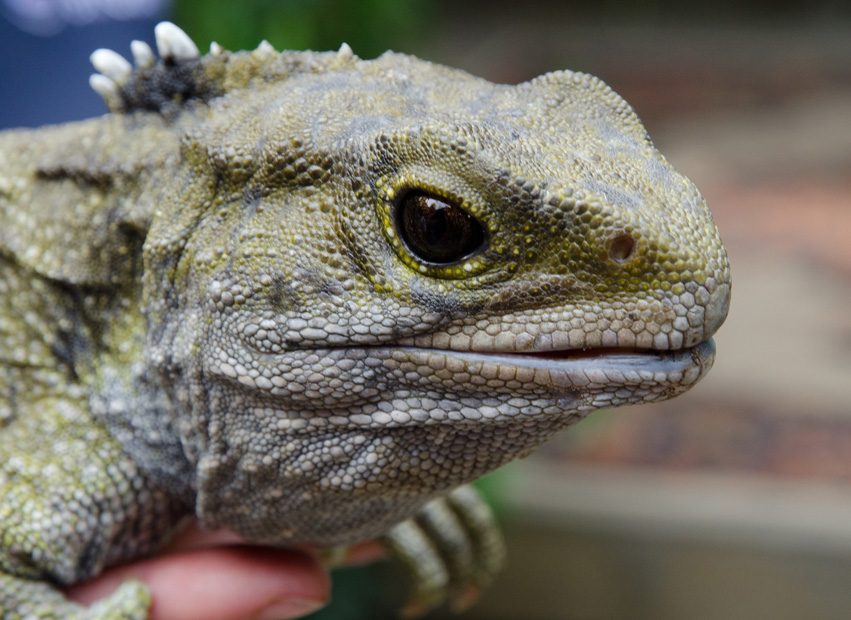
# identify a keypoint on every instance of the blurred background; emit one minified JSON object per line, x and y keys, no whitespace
{"x":732,"y":502}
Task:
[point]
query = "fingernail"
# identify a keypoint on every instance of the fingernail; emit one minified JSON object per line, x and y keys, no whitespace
{"x":285,"y":608}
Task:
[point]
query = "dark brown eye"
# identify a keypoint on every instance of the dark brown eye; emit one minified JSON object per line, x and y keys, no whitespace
{"x":437,"y":231}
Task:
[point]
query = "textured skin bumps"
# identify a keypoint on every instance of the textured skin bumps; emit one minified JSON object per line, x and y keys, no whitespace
{"x":210,"y":307}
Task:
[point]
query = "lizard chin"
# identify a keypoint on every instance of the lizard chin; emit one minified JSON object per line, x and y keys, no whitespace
{"x":457,"y":415}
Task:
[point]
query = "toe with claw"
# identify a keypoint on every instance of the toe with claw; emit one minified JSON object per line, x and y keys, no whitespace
{"x":145,"y":84}
{"x":452,"y":549}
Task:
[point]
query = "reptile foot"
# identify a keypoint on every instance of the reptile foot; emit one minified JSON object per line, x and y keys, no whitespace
{"x":452,"y":549}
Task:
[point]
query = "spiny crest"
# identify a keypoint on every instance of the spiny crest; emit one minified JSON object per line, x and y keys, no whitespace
{"x":181,"y":74}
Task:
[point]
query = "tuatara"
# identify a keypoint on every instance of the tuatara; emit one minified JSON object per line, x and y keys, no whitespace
{"x":304,"y":296}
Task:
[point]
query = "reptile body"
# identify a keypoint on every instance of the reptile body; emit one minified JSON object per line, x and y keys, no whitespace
{"x":304,"y":296}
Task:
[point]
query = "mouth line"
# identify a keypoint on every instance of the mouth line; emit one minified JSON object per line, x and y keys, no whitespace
{"x":604,"y":357}
{"x":591,"y":352}
{"x":588,"y":379}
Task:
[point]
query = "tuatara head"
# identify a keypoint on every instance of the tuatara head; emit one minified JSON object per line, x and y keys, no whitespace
{"x":373,"y":281}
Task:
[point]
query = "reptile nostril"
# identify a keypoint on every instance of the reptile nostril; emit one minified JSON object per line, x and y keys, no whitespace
{"x":621,"y":248}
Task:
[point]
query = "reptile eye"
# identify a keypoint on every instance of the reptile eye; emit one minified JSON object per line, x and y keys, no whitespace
{"x":437,"y":231}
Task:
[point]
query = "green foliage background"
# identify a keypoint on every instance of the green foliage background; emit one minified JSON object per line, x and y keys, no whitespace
{"x":373,"y":26}
{"x":369,"y":26}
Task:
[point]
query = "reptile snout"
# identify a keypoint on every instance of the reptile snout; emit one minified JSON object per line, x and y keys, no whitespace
{"x":717,"y":308}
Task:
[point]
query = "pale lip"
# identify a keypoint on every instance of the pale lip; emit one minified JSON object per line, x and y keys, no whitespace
{"x":409,"y":385}
{"x":682,"y":367}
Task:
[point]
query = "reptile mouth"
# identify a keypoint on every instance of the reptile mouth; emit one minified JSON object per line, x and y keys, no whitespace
{"x":578,"y":368}
{"x":362,"y":380}
{"x":562,"y":354}
{"x":703,"y":351}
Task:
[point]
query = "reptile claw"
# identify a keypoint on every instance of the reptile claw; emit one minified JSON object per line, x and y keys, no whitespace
{"x":111,"y":64}
{"x":143,"y":55}
{"x":451,"y":550}
{"x":174,"y":43}
{"x":103,"y":86}
{"x":145,"y":84}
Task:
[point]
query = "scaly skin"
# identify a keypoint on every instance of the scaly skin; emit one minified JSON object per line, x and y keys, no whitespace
{"x":219,"y":300}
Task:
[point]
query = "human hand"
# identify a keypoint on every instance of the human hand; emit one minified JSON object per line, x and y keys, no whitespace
{"x":216,"y":576}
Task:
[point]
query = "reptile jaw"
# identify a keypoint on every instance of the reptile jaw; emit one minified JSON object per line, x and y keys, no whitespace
{"x":579,"y":383}
{"x":580,"y":368}
{"x":706,"y":347}
{"x":582,"y":353}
